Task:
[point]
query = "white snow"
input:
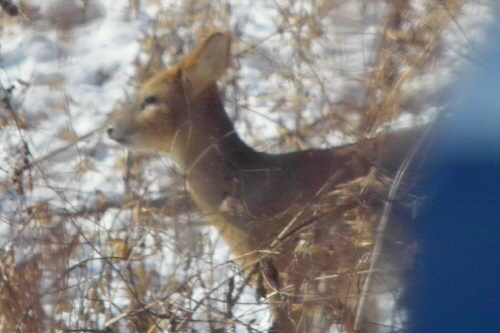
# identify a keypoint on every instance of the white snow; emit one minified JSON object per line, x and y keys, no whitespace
{"x":74,"y":79}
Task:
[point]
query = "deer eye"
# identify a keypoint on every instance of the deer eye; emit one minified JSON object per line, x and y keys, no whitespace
{"x":148,"y":101}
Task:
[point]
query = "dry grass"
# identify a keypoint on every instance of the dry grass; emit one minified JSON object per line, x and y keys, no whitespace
{"x":139,"y":261}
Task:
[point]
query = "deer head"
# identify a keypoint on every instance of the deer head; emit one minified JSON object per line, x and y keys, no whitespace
{"x":179,"y":111}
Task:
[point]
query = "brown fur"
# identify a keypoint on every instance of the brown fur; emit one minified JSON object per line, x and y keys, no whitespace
{"x":315,"y":209}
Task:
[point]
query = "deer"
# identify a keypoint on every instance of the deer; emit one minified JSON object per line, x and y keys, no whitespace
{"x":305,"y":219}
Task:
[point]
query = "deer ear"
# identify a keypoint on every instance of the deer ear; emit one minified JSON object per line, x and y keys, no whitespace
{"x":208,"y":62}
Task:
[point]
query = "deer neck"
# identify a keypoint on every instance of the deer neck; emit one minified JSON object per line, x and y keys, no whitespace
{"x":210,"y":152}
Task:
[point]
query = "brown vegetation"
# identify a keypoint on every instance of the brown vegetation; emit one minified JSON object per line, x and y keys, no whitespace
{"x":87,"y":266}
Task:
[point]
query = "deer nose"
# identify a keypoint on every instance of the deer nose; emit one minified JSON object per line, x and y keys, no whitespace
{"x":111,"y":131}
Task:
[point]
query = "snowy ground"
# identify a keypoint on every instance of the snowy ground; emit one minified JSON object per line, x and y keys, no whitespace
{"x":65,"y":67}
